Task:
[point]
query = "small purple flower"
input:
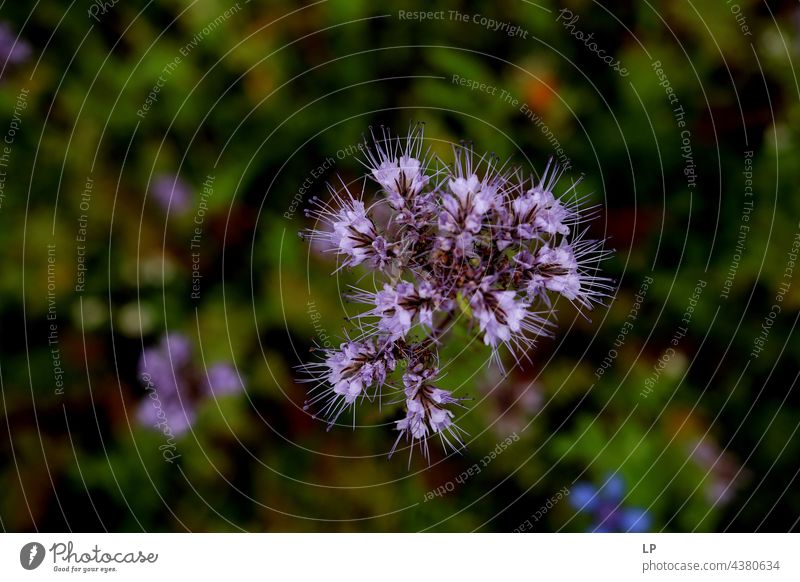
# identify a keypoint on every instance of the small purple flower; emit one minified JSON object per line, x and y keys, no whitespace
{"x":465,"y":211}
{"x":427,"y":413}
{"x":398,"y":307}
{"x":13,"y":49}
{"x":504,"y":318}
{"x":549,"y":215}
{"x":556,"y":269}
{"x":604,"y":504}
{"x":176,"y":387}
{"x":171,"y":193}
{"x":400,"y":169}
{"x":345,"y":374}
{"x":472,"y":242}
{"x":352,"y":234}
{"x":569,"y":269}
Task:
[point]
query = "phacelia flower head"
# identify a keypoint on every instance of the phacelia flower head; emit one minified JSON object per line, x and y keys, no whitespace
{"x":472,"y":242}
{"x":176,"y":385}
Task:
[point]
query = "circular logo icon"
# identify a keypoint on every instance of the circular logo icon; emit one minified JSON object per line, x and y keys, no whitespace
{"x":31,"y":555}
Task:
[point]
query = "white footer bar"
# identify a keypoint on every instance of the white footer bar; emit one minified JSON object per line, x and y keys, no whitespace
{"x":356,"y":557}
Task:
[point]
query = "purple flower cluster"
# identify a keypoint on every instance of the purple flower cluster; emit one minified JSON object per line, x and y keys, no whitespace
{"x":176,"y":387}
{"x":471,"y":241}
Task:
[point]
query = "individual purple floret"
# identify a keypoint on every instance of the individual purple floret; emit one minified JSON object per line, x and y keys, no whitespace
{"x":400,"y":169}
{"x":604,"y":504}
{"x":171,"y":193}
{"x":13,"y":49}
{"x":176,"y":386}
{"x":471,"y":242}
{"x":426,"y":411}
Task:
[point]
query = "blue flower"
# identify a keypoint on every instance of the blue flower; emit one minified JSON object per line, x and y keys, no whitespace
{"x":605,"y":506}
